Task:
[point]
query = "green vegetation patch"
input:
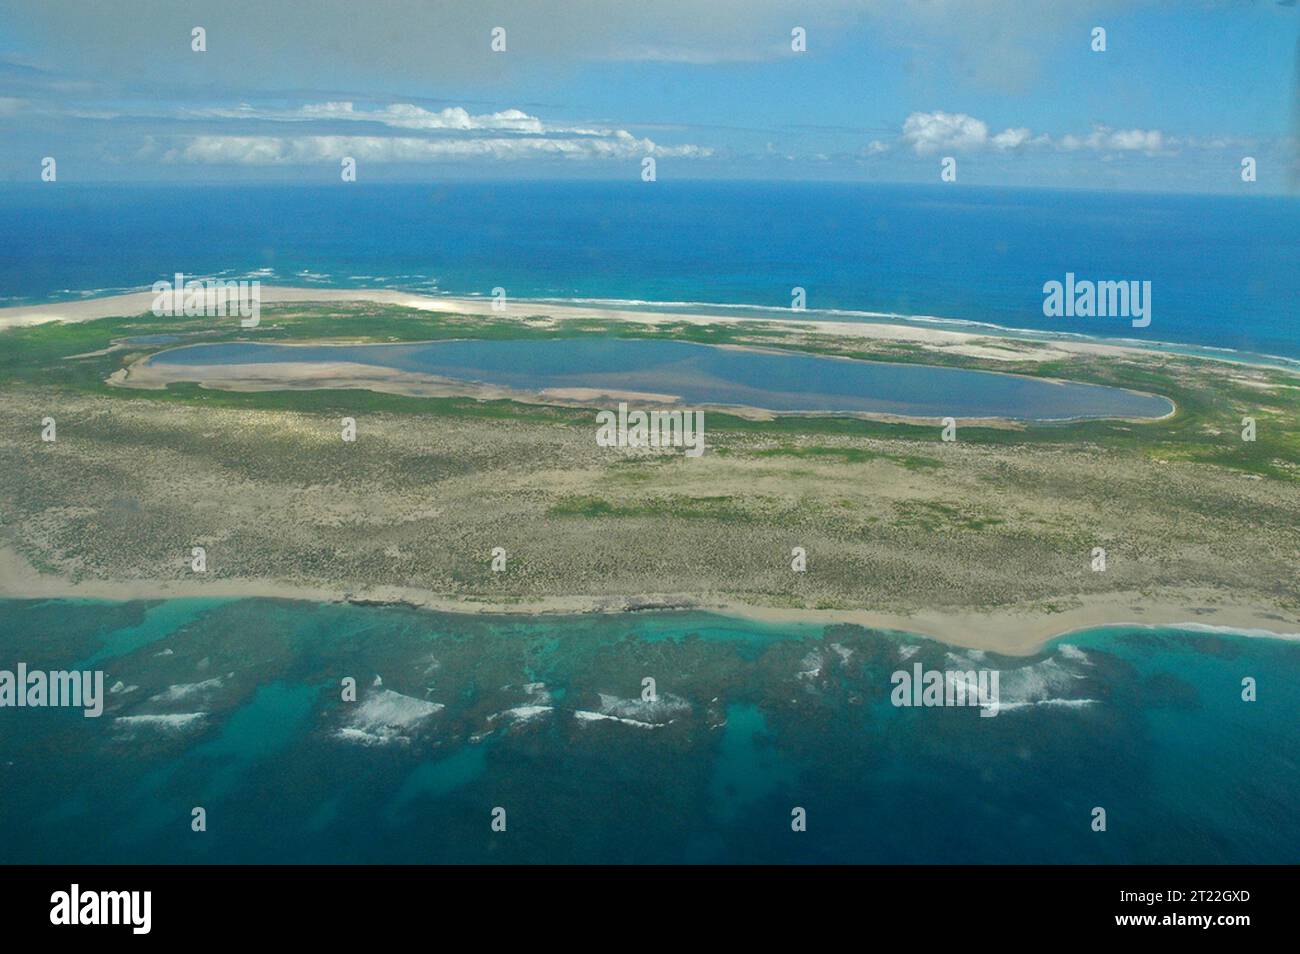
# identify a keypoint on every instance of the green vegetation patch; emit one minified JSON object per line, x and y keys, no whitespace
{"x":676,"y":507}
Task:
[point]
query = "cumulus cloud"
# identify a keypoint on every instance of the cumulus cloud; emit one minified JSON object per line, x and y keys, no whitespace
{"x":299,"y":150}
{"x":1017,"y":139}
{"x":1118,"y":140}
{"x":401,"y":116}
{"x":928,"y":133}
{"x":452,"y":133}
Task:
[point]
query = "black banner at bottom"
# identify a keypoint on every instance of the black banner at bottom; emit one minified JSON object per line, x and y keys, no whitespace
{"x":339,"y":903}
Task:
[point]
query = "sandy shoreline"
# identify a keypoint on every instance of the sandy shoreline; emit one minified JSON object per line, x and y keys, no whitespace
{"x":1011,"y":632}
{"x":970,"y":344}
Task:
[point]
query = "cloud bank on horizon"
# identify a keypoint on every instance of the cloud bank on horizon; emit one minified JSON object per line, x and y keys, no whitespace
{"x":823,"y":89}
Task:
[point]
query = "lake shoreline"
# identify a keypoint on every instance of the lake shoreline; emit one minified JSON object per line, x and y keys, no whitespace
{"x":149,"y":373}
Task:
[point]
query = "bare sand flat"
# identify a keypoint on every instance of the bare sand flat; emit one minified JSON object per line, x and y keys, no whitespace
{"x":286,"y":375}
{"x":347,"y":375}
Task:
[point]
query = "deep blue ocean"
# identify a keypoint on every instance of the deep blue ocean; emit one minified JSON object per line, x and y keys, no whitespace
{"x":1224,"y":270}
{"x":235,"y":706}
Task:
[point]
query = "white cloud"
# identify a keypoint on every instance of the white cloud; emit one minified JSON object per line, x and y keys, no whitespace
{"x":299,"y":150}
{"x":452,"y":133}
{"x":930,"y":132}
{"x":1118,"y":140}
{"x":410,"y":116}
{"x":1018,"y":139}
{"x":401,"y":116}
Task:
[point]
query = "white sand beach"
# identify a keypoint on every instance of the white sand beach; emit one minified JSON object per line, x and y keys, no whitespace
{"x":1012,"y":631}
{"x":969,"y":344}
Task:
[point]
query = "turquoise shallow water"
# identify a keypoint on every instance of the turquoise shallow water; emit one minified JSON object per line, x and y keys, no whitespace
{"x":706,"y":374}
{"x":455,"y":716}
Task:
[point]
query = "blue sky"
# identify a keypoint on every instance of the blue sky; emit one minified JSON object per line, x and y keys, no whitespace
{"x":885,"y":90}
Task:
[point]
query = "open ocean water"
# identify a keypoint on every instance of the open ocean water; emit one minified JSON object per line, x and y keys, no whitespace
{"x":1223,"y":268}
{"x":235,"y":706}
